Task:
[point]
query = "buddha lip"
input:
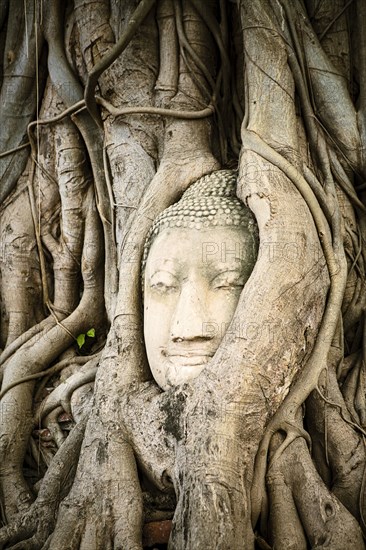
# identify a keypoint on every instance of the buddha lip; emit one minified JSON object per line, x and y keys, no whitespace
{"x":190,"y":360}
{"x":187,"y":353}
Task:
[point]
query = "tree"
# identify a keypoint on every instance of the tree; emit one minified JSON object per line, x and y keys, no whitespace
{"x":110,"y":110}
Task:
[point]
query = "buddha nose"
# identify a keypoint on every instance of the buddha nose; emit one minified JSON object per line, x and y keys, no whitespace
{"x":190,"y":315}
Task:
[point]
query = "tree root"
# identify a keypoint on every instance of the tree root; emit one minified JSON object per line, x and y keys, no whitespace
{"x":308,"y":378}
{"x":62,"y":394}
{"x":96,"y":514}
{"x":175,"y":113}
{"x":309,"y":507}
{"x":338,"y":442}
{"x":45,"y":324}
{"x":138,"y":16}
{"x":16,"y":405}
{"x":46,"y":373}
{"x":32,"y":529}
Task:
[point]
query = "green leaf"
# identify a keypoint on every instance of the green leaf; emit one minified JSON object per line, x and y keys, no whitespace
{"x":80,"y":340}
{"x":91,"y":333}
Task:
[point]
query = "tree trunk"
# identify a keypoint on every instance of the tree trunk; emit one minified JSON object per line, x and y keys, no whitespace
{"x":111,"y":111}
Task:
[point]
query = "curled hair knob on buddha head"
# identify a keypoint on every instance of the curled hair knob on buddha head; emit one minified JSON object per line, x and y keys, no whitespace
{"x":209,"y":202}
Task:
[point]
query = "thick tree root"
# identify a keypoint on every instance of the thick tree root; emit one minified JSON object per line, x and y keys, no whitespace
{"x":32,"y":529}
{"x":301,"y":505}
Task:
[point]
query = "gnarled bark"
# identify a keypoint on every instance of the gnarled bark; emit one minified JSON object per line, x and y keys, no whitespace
{"x":141,"y":100}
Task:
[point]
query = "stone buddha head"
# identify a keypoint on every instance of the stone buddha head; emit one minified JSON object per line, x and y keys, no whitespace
{"x":198,"y":255}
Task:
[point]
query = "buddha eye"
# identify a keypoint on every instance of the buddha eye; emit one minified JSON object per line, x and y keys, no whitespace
{"x":163,"y":282}
{"x":163,"y":288}
{"x":229,"y":280}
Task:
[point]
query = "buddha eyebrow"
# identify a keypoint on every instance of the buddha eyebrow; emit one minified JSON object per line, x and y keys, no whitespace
{"x":162,"y":263}
{"x":170,"y":267}
{"x":162,"y":270}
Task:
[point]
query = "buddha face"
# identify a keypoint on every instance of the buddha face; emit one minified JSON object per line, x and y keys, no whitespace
{"x":193,"y":280}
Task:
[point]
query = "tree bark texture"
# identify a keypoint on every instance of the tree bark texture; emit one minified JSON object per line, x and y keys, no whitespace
{"x":110,"y":110}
